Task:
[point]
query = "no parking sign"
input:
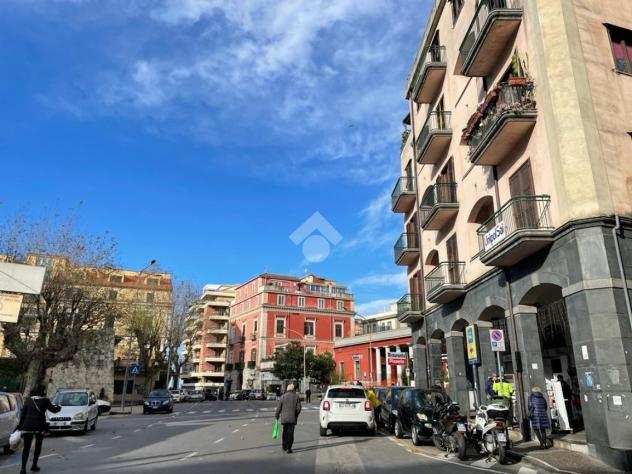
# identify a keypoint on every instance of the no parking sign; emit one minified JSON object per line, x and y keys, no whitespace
{"x":497,"y":339}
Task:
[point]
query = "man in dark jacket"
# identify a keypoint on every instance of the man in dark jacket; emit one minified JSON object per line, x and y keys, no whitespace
{"x":32,"y":424}
{"x":287,"y":412}
{"x":539,"y":415}
{"x":489,"y":386}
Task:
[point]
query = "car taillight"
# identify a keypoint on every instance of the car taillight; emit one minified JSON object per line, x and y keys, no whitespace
{"x":326,"y":405}
{"x":367,"y":406}
{"x":500,"y":424}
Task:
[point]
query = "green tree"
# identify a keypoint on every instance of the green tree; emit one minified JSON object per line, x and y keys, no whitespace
{"x":288,"y":362}
{"x":321,"y":368}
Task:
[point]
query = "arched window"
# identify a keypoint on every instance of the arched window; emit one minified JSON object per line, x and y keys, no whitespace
{"x":253,"y":355}
{"x":482,"y":210}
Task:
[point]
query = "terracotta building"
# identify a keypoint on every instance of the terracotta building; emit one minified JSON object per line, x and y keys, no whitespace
{"x":271,"y":310}
{"x":363,"y":356}
{"x":516,"y":198}
{"x":208,"y":338}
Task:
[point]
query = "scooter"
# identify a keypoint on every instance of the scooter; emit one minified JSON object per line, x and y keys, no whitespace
{"x":449,"y":428}
{"x":489,"y":432}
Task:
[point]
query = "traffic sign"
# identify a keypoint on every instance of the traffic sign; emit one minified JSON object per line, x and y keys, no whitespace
{"x":472,"y":345}
{"x":134,"y":369}
{"x":396,"y":358}
{"x":497,"y":339}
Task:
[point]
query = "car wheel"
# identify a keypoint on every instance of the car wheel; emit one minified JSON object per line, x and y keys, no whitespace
{"x":414,"y":435}
{"x":502,"y":454}
{"x":461,"y":447}
{"x":85,"y":428}
{"x":323,"y":431}
{"x":94,"y":424}
{"x":399,"y":430}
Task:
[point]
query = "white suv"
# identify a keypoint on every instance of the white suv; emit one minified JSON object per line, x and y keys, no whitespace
{"x":345,"y":406}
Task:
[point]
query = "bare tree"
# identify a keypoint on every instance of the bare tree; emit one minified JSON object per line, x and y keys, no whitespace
{"x":51,"y":328}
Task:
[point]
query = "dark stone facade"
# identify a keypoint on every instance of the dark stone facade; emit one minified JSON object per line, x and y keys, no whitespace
{"x":580,"y":267}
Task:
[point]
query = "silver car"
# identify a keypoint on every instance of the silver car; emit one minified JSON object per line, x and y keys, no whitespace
{"x":79,"y":411}
{"x":9,"y":418}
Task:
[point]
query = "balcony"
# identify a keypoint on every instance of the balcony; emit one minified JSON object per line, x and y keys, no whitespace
{"x":434,"y":138}
{"x":505,"y":118}
{"x":517,"y":230}
{"x":218,"y":330}
{"x":216,"y":345}
{"x":410,"y":308}
{"x":406,"y":249}
{"x":217,"y":359}
{"x":428,"y":83}
{"x":438,"y":206}
{"x":493,"y":27}
{"x":445,"y":283}
{"x":403,"y":195}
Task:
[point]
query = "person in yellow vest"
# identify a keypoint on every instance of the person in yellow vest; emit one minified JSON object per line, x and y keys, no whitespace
{"x":503,"y":389}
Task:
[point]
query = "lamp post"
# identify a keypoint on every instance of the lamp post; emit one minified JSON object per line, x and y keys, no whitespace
{"x":304,"y":355}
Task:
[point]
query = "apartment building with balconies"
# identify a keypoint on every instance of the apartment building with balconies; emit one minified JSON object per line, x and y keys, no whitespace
{"x":272,"y":310}
{"x":208,"y":338}
{"x":516,"y":198}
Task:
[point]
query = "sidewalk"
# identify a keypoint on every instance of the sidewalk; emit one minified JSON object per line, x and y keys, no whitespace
{"x":133,"y":410}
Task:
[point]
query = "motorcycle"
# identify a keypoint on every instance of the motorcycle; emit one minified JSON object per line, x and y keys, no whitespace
{"x":489,"y":432}
{"x":449,"y":428}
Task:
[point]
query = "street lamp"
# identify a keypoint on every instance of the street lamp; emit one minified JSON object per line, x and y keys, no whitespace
{"x":304,"y":355}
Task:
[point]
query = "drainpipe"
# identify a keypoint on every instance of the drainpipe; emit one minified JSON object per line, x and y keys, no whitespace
{"x":615,"y":230}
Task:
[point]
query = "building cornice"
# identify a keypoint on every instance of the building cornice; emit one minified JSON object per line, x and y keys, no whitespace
{"x":374,"y":337}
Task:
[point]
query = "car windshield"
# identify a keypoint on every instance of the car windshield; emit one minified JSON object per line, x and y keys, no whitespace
{"x":159,"y":393}
{"x":346,"y":393}
{"x":71,"y":399}
{"x":431,"y":397}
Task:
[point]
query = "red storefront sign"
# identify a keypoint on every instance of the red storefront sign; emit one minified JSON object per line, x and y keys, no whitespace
{"x":397,"y":358}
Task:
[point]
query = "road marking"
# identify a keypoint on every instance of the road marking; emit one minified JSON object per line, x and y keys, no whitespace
{"x":207,"y":411}
{"x":249,"y":409}
{"x":532,"y":458}
{"x":527,"y":470}
{"x":191,"y":412}
{"x":235,"y":431}
{"x":244,"y":425}
{"x":190,"y":455}
{"x":222,"y":411}
{"x":136,"y":431}
{"x":117,"y":437}
{"x":218,"y":441}
{"x":87,"y":446}
{"x":236,"y":409}
{"x":485,"y":462}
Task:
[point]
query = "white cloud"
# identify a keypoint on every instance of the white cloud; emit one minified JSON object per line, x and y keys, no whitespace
{"x":375,"y":306}
{"x":379,"y":224}
{"x":385,"y":279}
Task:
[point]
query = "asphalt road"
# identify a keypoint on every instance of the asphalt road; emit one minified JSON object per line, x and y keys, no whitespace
{"x":235,"y":436}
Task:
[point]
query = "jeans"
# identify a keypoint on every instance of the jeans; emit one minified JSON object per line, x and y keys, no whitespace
{"x":288,"y":435}
{"x":28,"y":440}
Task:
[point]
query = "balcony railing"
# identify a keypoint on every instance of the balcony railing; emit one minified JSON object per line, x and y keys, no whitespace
{"x":507,"y":115}
{"x":445,"y":282}
{"x":494,"y":24}
{"x":518,"y":229}
{"x":406,"y":248}
{"x":410,"y":306}
{"x":430,"y":77}
{"x":438,"y":205}
{"x":403,"y":195}
{"x":434,"y":137}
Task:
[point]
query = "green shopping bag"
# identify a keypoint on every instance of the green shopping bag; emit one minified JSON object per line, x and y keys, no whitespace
{"x":275,"y":429}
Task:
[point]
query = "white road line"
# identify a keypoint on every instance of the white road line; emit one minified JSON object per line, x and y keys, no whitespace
{"x":191,"y":412}
{"x":532,"y":458}
{"x":218,"y":441}
{"x":87,"y":446}
{"x":222,"y":411}
{"x":527,"y":470}
{"x":136,"y":431}
{"x":207,"y":411}
{"x":236,"y":409}
{"x":117,"y":437}
{"x":235,"y":431}
{"x":190,"y":455}
{"x":244,"y":425}
{"x":249,"y":409}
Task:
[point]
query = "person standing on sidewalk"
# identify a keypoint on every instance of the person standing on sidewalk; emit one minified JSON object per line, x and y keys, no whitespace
{"x":32,"y":424}
{"x":287,"y":412}
{"x":308,"y":395}
{"x":539,"y":416}
{"x":375,"y":403}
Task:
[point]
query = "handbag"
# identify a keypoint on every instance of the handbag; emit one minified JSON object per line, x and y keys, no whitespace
{"x":275,"y":429}
{"x":15,"y":440}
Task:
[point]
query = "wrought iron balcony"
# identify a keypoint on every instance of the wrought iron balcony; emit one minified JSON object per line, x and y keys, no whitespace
{"x":505,"y":118}
{"x":517,"y":230}
{"x":494,"y":25}
{"x":403,"y":195}
{"x":438,"y":206}
{"x":410,"y":307}
{"x":430,"y":78}
{"x":406,"y":249}
{"x":446,"y":282}
{"x":434,"y":138}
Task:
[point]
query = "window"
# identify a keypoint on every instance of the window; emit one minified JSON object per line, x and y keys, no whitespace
{"x":321,"y":303}
{"x":308,"y":328}
{"x":301,"y":301}
{"x":621,"y":42}
{"x":280,"y":326}
{"x":356,"y":369}
{"x":112,"y":295}
{"x":338,"y":330}
{"x":153,"y":281}
{"x":281,"y":300}
{"x":340,"y":305}
{"x":149,"y":298}
{"x":253,"y":355}
{"x":345,"y":392}
{"x":255,"y":327}
{"x":457,"y":6}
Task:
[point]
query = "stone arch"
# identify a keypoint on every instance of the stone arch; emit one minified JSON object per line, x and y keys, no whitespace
{"x":460,"y":324}
{"x":421,"y":341}
{"x":481,"y":210}
{"x":492,"y":313}
{"x":541,"y":294}
{"x":428,"y":197}
{"x":432,"y":259}
{"x":437,"y":334}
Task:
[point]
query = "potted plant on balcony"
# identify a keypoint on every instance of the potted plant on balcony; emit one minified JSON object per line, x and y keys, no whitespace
{"x":519,"y":75}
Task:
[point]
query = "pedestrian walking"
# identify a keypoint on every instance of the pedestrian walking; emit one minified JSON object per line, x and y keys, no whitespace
{"x":308,"y":395}
{"x":287,"y":412}
{"x":32,"y":424}
{"x":539,"y":416}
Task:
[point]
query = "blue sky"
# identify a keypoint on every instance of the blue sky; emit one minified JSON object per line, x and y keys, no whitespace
{"x":202,"y":133}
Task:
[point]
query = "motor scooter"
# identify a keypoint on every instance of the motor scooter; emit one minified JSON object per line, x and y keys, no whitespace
{"x":449,"y":429}
{"x":489,"y":432}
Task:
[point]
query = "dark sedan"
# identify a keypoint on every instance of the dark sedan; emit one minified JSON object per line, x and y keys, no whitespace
{"x":158,"y":401}
{"x":414,"y":413}
{"x":388,"y":408}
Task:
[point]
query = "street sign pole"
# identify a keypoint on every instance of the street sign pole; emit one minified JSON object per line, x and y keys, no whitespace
{"x":500,"y":367}
{"x":124,"y":389}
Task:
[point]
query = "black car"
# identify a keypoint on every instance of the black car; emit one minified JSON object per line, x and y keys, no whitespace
{"x":415,"y":408}
{"x":157,"y":401}
{"x":388,"y":407}
{"x":210,"y":394}
{"x":257,"y":394}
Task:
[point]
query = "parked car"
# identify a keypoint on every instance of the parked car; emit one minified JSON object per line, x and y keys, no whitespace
{"x":195,"y":396}
{"x":9,"y":418}
{"x":78,"y":411}
{"x":178,"y":395}
{"x":157,"y":401}
{"x":233,"y":395}
{"x":103,"y":407}
{"x":345,"y":407}
{"x":210,"y":394}
{"x":389,"y":407}
{"x":257,"y":395}
{"x":414,"y":412}
{"x":243,"y":395}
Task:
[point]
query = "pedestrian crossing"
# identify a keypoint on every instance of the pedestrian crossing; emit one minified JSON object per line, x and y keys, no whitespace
{"x":239,"y":410}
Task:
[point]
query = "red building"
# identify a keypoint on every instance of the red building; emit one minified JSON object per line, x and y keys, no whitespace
{"x":364,"y":356}
{"x":271,"y":310}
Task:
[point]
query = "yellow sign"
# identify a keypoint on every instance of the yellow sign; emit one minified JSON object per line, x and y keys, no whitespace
{"x":10,"y":305}
{"x":472,"y":346}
